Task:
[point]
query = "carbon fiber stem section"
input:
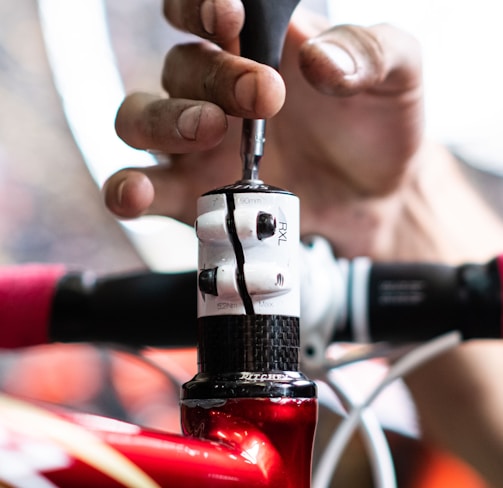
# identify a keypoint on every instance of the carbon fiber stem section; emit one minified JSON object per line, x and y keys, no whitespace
{"x":258,"y":343}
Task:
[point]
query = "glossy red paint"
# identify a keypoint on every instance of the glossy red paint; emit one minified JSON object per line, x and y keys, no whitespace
{"x":274,"y":434}
{"x":243,"y":442}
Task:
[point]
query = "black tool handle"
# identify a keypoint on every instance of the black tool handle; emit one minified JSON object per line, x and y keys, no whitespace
{"x":264,"y":30}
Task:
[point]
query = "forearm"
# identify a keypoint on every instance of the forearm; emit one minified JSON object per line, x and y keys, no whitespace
{"x":443,"y":218}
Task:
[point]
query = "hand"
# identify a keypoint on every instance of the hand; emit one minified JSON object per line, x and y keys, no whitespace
{"x":346,"y":136}
{"x":351,"y":84}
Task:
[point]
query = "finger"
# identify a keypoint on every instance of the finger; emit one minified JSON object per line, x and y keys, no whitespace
{"x":133,"y":192}
{"x":145,"y":121}
{"x":350,"y":59}
{"x":128,"y":193}
{"x":217,"y":20}
{"x":242,"y":87}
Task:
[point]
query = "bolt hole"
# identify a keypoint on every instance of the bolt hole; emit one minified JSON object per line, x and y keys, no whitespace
{"x":310,"y":351}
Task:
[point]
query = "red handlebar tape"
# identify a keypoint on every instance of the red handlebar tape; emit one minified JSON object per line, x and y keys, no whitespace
{"x":26,"y":293}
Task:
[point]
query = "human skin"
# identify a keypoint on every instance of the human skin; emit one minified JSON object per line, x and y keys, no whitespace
{"x":345,"y":132}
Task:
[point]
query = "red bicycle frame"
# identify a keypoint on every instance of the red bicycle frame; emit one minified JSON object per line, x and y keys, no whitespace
{"x":252,"y":443}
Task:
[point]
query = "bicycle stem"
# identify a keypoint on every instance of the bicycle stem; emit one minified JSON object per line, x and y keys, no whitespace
{"x":248,"y":328}
{"x":249,"y":298}
{"x":248,"y":339}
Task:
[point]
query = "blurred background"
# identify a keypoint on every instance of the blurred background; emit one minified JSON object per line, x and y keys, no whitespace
{"x":51,"y":210}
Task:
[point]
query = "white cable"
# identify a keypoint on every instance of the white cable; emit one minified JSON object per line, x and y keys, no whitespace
{"x":333,"y":452}
{"x":380,"y":457}
{"x":327,"y":397}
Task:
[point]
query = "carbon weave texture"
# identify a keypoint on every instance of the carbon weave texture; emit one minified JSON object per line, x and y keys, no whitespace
{"x":258,"y":343}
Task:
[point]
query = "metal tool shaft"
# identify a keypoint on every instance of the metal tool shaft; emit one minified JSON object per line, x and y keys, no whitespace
{"x":252,"y":147}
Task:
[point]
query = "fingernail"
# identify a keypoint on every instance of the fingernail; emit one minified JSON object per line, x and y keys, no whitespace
{"x":207,"y":13}
{"x":245,"y":91}
{"x":340,"y":57}
{"x":119,"y":192}
{"x":188,"y":122}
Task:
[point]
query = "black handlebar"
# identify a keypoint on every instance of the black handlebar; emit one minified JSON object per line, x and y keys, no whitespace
{"x":401,"y":302}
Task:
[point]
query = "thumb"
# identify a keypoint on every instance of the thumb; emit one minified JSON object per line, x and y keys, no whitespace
{"x":349,"y":59}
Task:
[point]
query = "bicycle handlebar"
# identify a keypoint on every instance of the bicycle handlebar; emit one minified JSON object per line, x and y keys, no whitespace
{"x":363,"y":301}
{"x":411,"y":301}
{"x":356,"y":300}
{"x":387,"y":301}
